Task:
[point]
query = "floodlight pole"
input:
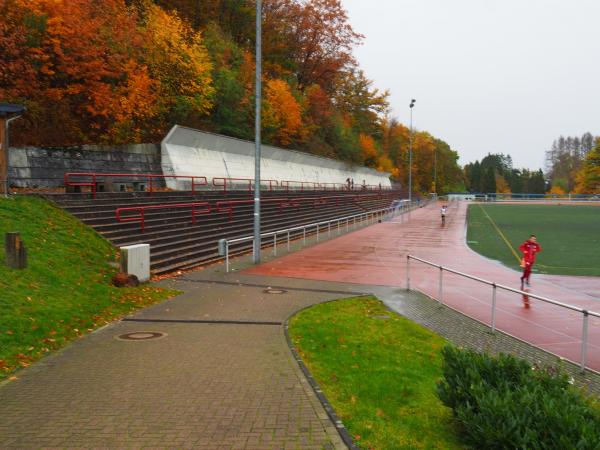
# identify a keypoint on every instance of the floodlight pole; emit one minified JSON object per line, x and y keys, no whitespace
{"x":256,"y":243}
{"x":435,"y":170}
{"x":412,"y":104}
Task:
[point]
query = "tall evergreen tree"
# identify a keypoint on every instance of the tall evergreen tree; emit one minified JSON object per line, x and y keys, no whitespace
{"x":489,"y":181}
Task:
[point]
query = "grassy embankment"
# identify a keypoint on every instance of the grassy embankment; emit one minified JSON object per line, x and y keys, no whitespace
{"x":65,"y":291}
{"x":569,"y":235}
{"x":379,"y":371}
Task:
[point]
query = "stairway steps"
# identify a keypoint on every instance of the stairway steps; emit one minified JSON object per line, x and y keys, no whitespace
{"x":176,"y":243}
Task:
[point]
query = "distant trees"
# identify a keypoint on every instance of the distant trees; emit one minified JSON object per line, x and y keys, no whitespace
{"x":588,"y":178}
{"x":566,"y":158}
{"x":495,"y":173}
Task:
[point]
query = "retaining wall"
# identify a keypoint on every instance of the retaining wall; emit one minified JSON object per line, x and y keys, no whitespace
{"x":191,"y":152}
{"x":33,"y":167}
{"x":184,"y":151}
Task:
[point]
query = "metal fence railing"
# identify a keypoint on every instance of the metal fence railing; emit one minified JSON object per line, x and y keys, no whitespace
{"x":317,"y":228}
{"x":495,"y":287}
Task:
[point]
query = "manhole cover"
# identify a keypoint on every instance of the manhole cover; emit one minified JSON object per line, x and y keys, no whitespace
{"x":274,"y":291}
{"x":141,"y":335}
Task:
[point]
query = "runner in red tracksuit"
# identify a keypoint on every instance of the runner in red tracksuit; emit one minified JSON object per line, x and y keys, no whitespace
{"x":529,"y":248}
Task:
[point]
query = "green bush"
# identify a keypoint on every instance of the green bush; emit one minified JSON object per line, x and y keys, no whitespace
{"x":501,"y":402}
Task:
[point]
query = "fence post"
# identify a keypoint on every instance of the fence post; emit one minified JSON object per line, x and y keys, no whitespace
{"x":408,"y":272}
{"x":440,"y":289}
{"x":304,"y":236}
{"x":493,"y":307}
{"x":317,"y":232}
{"x":288,"y":240}
{"x":584,"y":338}
{"x":16,"y":253}
{"x":329,"y":228}
{"x":275,"y":243}
{"x":227,"y":256}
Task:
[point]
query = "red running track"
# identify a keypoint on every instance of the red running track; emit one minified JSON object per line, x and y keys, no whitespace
{"x":377,"y":255}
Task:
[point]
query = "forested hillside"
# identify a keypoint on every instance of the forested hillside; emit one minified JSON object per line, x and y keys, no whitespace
{"x":116,"y":71}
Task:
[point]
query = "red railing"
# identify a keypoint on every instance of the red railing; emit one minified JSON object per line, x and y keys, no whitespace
{"x":149,"y":177}
{"x":223,"y":181}
{"x":336,"y":186}
{"x":314,"y":184}
{"x":142,"y":211}
{"x":226,"y":206}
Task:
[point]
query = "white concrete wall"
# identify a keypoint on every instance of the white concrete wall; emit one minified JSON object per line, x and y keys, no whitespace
{"x":190,"y":152}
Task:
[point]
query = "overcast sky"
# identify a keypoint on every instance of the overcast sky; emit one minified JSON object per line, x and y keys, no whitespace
{"x":499,"y":76}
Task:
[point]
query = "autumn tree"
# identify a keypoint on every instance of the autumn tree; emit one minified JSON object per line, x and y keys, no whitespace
{"x":178,"y":60}
{"x":588,"y":178}
{"x":366,"y":105}
{"x":83,"y":69}
{"x":281,"y":114}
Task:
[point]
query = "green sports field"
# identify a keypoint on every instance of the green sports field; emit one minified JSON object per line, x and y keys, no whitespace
{"x":569,"y":235}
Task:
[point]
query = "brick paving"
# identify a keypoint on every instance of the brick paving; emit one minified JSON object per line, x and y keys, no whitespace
{"x":203,"y":385}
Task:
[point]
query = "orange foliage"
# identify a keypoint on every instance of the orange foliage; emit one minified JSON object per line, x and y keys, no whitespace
{"x":282,"y":114}
{"x":100,"y":70}
{"x":557,"y":190}
{"x":368,"y":149}
{"x":384,"y":164}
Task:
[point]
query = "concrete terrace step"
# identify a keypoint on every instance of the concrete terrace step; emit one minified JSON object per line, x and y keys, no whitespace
{"x":183,"y":215}
{"x":168,"y":230}
{"x":197,"y":233}
{"x":176,"y":243}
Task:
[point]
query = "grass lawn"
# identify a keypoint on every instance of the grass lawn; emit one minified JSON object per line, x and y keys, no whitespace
{"x":569,"y":235}
{"x":65,"y":291}
{"x":378,"y":373}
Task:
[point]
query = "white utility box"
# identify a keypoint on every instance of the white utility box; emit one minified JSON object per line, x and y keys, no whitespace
{"x":135,"y":260}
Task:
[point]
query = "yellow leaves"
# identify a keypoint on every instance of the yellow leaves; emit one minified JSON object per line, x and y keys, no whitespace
{"x":282,"y":114}
{"x":384,"y":164}
{"x":177,"y":59}
{"x":368,"y":148}
{"x":501,"y":185}
{"x":557,"y":190}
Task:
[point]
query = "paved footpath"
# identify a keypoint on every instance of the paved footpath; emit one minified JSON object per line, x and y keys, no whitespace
{"x":210,"y":382}
{"x":377,"y":255}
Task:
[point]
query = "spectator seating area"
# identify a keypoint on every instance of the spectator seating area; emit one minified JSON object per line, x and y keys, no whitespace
{"x":183,"y":227}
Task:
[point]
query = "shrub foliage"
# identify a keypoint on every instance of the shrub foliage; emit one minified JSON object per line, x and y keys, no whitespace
{"x":502,"y":402}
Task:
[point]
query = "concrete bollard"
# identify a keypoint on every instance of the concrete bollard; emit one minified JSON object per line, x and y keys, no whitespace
{"x":135,"y":260}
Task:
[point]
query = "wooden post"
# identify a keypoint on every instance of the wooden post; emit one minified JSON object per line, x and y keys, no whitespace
{"x":3,"y":157}
{"x":16,"y":254}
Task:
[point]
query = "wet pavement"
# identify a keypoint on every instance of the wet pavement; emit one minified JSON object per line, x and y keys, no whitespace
{"x":377,"y":256}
